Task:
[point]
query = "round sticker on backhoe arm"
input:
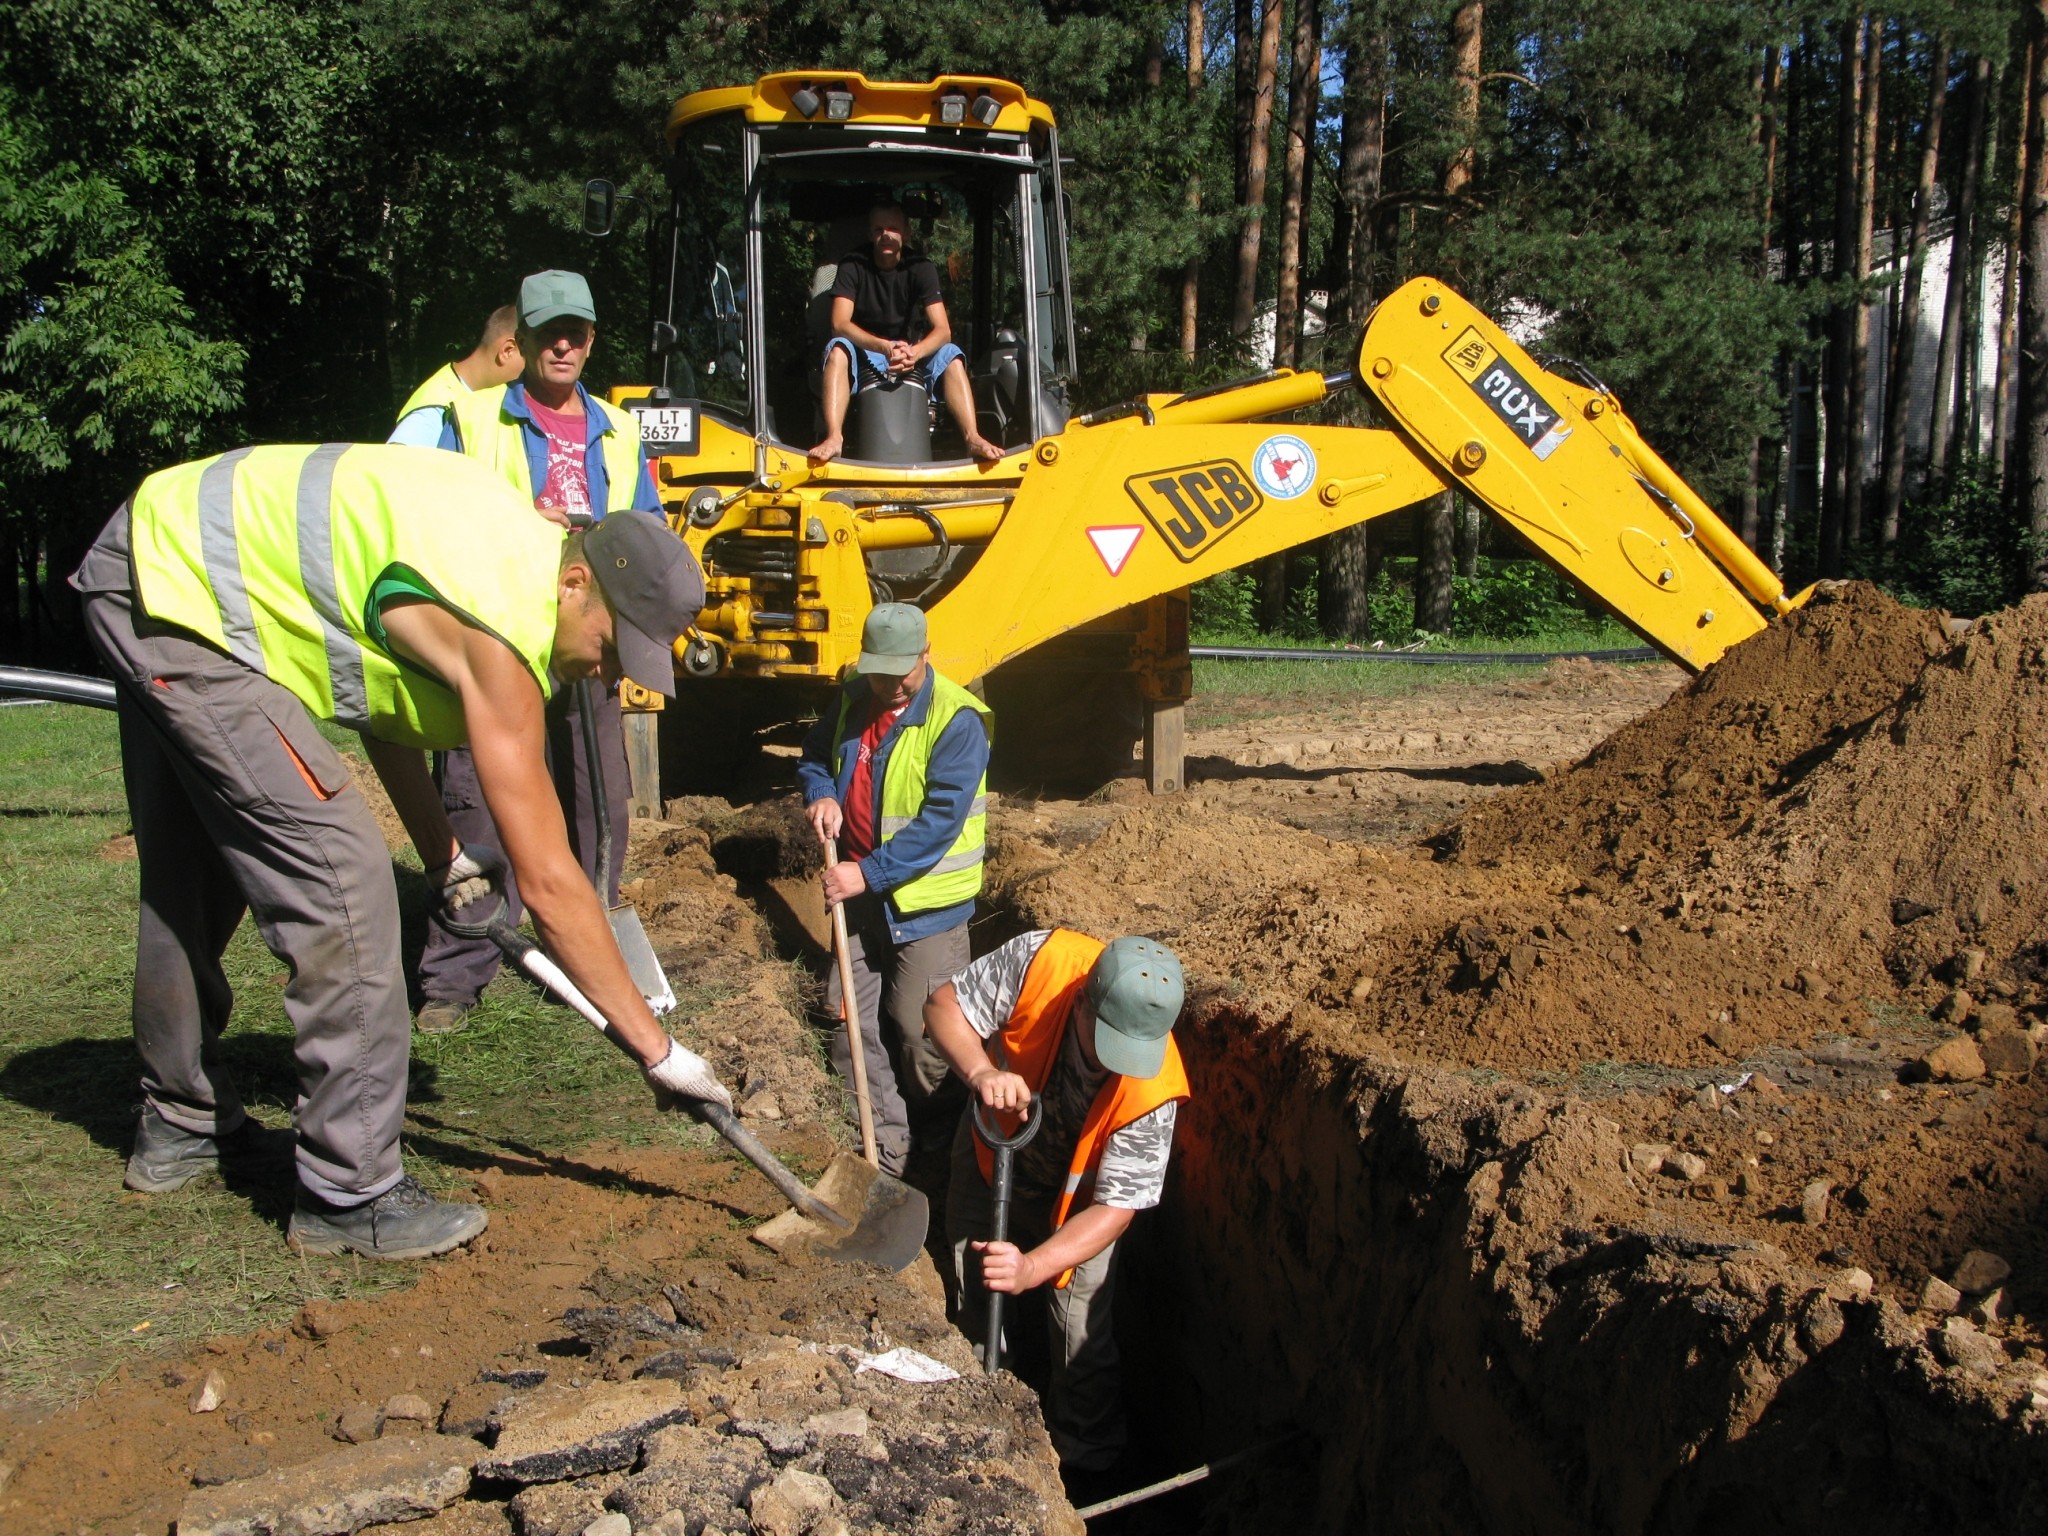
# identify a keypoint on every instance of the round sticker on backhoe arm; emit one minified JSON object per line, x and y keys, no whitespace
{"x":1284,"y":466}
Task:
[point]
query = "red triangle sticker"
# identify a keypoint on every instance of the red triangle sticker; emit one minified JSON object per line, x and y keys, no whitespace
{"x":1114,"y":544}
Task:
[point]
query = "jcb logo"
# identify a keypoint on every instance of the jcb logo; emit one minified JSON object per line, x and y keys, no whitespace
{"x":1195,"y":506}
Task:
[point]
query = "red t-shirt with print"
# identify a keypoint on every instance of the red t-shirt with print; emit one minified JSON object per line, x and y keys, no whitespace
{"x":567,"y":489}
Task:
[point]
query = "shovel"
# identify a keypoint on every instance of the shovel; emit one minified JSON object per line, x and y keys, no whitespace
{"x":849,"y":1005}
{"x":892,"y":1218}
{"x":627,"y":929}
{"x":1006,"y":1149}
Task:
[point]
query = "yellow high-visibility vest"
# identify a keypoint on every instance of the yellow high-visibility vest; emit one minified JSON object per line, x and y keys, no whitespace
{"x":492,"y":435}
{"x":282,"y":557}
{"x":443,"y":387}
{"x":957,"y":876}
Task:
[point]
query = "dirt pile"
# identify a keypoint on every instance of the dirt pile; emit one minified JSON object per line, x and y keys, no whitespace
{"x":1665,"y":786}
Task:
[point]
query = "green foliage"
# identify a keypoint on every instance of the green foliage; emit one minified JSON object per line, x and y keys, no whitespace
{"x":1968,"y":552}
{"x":1511,"y":598}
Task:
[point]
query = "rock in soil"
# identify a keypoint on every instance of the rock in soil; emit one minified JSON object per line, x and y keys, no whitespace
{"x":340,"y":1493}
{"x":1954,"y":1061}
{"x":562,"y":1509}
{"x":358,"y":1423}
{"x":2007,"y":1050}
{"x":1937,"y":1295}
{"x":1980,"y":1271}
{"x":1961,"y":1345}
{"x":1814,"y":1201}
{"x":407,"y":1407}
{"x":230,"y":1466}
{"x":561,"y":1432}
{"x":613,"y":1524}
{"x":209,"y":1394}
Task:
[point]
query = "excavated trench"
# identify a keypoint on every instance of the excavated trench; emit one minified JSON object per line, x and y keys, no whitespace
{"x":1422,"y":1271}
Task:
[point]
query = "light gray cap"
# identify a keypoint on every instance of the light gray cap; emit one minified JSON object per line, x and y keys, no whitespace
{"x":1136,"y":991}
{"x":891,"y":641}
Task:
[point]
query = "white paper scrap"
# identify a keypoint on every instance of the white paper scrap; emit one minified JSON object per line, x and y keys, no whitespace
{"x":907,"y":1365}
{"x":1739,"y":1083}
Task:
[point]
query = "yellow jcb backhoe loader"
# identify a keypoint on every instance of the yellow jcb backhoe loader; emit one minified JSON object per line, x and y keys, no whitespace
{"x":1057,"y":576}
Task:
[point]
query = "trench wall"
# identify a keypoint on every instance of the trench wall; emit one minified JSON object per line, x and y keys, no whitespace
{"x":1475,"y":1320}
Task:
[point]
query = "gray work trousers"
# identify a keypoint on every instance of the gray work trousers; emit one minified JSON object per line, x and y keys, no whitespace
{"x":454,"y":969}
{"x":226,"y":821}
{"x":1084,"y":1406}
{"x":906,"y":1071}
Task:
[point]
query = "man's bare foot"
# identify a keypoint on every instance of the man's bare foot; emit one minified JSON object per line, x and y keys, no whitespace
{"x":827,"y":451}
{"x":981,"y":448}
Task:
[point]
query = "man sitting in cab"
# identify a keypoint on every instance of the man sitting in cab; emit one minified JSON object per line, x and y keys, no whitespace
{"x":881,"y":295}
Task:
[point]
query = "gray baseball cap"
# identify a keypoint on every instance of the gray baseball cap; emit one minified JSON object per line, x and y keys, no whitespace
{"x":891,"y":641}
{"x":1135,"y":990}
{"x":655,"y":589}
{"x":548,"y":296}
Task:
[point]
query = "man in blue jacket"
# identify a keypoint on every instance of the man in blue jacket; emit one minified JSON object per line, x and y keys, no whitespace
{"x":897,"y":770}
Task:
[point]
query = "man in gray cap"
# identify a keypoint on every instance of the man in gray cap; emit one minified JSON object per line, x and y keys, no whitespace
{"x":897,"y":771}
{"x":413,"y":598}
{"x":1085,"y":1029}
{"x":577,"y":458}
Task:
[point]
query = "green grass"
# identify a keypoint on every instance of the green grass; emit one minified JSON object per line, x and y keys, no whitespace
{"x":91,"y":1276}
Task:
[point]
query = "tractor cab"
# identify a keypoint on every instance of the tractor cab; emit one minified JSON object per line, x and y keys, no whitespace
{"x":773,"y":184}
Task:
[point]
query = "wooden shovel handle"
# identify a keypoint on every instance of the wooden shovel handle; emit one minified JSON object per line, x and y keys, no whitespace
{"x":850,"y":1007}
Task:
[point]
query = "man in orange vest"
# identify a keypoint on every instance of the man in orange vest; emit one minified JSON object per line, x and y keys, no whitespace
{"x":1087,"y":1029}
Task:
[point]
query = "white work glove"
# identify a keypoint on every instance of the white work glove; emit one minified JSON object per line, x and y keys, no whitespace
{"x":683,"y":1071}
{"x":476,"y":871}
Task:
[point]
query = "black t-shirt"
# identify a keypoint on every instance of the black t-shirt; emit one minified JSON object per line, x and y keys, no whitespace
{"x":887,"y":304}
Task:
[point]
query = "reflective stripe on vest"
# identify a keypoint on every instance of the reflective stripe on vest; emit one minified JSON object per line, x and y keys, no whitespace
{"x":956,"y":877}
{"x":1029,"y":1043}
{"x":274,"y":554}
{"x":443,"y":387}
{"x":492,"y":435}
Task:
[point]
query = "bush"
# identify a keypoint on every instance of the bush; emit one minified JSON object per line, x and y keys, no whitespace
{"x":1508,"y":599}
{"x":1968,"y":552}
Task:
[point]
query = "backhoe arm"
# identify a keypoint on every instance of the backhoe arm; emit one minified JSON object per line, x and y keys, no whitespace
{"x":1561,"y":462}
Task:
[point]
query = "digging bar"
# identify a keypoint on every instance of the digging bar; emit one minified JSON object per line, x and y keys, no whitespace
{"x":893,"y":1217}
{"x":1005,"y":1149}
{"x":627,"y":929}
{"x":849,"y":1007}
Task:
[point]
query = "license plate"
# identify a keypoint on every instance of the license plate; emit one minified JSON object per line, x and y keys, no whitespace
{"x":667,"y":428}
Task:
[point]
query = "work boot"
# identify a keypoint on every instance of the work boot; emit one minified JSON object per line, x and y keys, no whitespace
{"x":167,"y":1157}
{"x":405,"y":1222}
{"x":438,"y":1016}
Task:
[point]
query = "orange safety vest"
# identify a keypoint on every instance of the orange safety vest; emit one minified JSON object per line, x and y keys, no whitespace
{"x":1029,"y":1042}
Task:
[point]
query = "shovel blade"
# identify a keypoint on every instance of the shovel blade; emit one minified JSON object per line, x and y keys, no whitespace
{"x":890,"y":1217}
{"x":641,"y":964}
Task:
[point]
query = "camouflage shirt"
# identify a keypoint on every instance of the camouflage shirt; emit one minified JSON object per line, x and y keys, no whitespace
{"x":1132,"y":1174}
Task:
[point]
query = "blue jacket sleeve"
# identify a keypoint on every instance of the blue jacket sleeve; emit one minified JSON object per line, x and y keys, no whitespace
{"x":815,"y":770}
{"x":951,"y":782}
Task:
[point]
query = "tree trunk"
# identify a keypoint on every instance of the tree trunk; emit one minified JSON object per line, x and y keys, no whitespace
{"x":1969,"y":436}
{"x":2032,"y":435}
{"x":1859,"y":325}
{"x":1191,"y":274}
{"x":1436,"y":562}
{"x":1256,"y":155}
{"x":1303,"y":89}
{"x":1763,"y":133}
{"x":1244,"y":52}
{"x":1437,"y":559}
{"x":1841,"y":315}
{"x":1346,"y":567}
{"x":1471,"y":534}
{"x":2008,"y":308}
{"x":1899,"y":414}
{"x":1466,"y":27}
{"x":1942,"y":418}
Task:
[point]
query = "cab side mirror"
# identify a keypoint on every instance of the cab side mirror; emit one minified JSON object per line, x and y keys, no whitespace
{"x":600,"y":201}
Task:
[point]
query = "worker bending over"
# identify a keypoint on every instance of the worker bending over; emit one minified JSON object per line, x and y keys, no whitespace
{"x":411,"y":597}
{"x":1087,"y":1029}
{"x":897,"y":771}
{"x":889,"y":319}
{"x":493,"y":361}
{"x":574,"y":458}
